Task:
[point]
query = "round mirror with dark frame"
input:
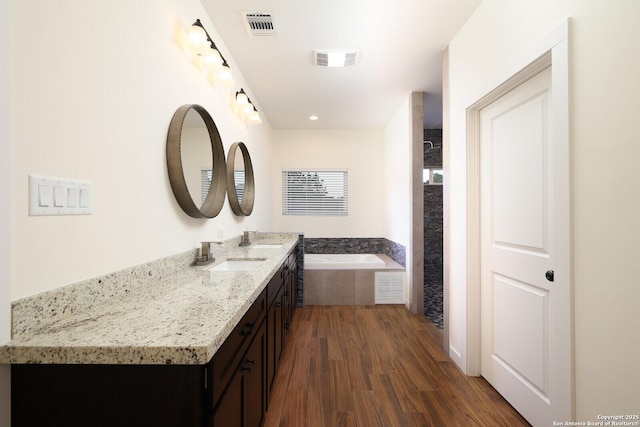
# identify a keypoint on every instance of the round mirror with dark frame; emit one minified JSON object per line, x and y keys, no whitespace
{"x":240,"y":182}
{"x":194,"y":143}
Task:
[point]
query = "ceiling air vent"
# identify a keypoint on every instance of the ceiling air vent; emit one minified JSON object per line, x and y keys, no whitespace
{"x":335,"y":58}
{"x":259,"y":23}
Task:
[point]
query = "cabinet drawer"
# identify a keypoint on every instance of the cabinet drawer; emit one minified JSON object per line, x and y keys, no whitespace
{"x":230,"y":353}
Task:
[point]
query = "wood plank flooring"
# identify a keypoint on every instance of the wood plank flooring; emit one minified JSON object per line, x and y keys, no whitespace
{"x":376,"y":366}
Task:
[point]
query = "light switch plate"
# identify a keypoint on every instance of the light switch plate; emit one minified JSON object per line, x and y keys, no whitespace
{"x":58,"y":196}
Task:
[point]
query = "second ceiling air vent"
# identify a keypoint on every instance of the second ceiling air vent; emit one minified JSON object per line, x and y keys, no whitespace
{"x":335,"y":58}
{"x":259,"y":23}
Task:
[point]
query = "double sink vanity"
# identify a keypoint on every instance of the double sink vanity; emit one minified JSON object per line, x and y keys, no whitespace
{"x":167,"y":343}
{"x":184,"y":346}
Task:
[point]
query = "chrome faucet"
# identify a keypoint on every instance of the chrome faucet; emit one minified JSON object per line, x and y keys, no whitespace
{"x":245,"y":240}
{"x":206,"y":257}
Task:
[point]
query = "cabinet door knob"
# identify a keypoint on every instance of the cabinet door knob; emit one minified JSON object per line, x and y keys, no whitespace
{"x":549,"y":275}
{"x":248,"y":367}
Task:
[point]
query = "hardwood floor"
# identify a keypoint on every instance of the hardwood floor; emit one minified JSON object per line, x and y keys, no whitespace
{"x":376,"y":366}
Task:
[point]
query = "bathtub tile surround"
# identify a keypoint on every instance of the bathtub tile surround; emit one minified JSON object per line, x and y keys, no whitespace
{"x":163,"y":312}
{"x":356,"y":245}
{"x":301,"y":275}
{"x":340,"y":285}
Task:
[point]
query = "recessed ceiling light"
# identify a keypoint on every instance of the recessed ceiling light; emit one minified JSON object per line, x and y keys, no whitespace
{"x":314,"y":117}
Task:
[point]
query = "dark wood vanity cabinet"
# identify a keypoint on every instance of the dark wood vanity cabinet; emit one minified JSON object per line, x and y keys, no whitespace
{"x":231,"y":390}
{"x":243,"y":400}
{"x":242,"y":381}
{"x":107,"y":395}
{"x":237,"y":373}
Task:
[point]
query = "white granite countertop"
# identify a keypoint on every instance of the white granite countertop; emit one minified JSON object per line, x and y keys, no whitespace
{"x":182,"y":318}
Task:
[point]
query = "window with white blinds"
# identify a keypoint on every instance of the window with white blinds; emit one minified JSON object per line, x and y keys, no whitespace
{"x":315,"y":192}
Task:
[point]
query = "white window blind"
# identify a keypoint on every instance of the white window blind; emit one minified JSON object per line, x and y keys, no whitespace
{"x":206,"y":175}
{"x":238,"y":177}
{"x":319,"y":192}
{"x":205,"y":182}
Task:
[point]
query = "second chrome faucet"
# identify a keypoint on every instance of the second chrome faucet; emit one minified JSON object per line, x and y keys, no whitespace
{"x":245,"y":240}
{"x":206,"y":256}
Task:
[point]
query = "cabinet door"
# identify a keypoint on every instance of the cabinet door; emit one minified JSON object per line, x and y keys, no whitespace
{"x":243,"y":403}
{"x":290,"y":293}
{"x":286,"y":308}
{"x":230,"y":409}
{"x":274,"y":338}
{"x":254,"y":369}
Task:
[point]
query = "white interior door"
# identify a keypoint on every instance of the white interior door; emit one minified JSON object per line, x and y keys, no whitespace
{"x":525,"y":296}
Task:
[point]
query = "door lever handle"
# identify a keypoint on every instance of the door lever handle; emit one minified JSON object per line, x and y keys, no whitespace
{"x":549,"y":275}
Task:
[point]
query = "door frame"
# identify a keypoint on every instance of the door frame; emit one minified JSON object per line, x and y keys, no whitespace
{"x":552,"y":51}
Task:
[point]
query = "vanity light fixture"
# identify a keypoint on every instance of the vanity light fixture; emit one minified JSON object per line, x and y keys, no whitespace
{"x":209,"y":54}
{"x":246,"y":109}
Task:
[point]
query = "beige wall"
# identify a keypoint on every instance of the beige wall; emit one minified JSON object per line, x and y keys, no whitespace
{"x":604,"y":64}
{"x":94,"y":87}
{"x":398,"y":186}
{"x":606,"y":103}
{"x":360,"y":151}
{"x":5,"y":212}
{"x":397,"y":170}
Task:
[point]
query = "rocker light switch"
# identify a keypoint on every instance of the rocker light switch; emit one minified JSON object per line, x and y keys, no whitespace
{"x":84,"y":198}
{"x":57,"y":196}
{"x":72,"y":197}
{"x":44,"y":195}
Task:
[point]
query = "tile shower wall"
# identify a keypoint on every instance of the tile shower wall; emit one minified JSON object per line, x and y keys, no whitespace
{"x":433,"y":233}
{"x":356,"y":245}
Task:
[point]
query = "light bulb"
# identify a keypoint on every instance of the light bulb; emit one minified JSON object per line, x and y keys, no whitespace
{"x":247,"y":109}
{"x":241,"y":98}
{"x":197,"y":38}
{"x":254,"y":118}
{"x":223,"y":75}
{"x":211,"y":58}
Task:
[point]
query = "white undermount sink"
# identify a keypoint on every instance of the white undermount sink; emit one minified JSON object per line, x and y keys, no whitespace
{"x":268,"y":246}
{"x":238,"y":264}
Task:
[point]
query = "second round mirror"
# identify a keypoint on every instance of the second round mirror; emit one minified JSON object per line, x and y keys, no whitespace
{"x":240,"y":182}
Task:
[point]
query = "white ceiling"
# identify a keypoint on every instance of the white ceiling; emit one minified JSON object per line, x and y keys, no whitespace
{"x":400,"y":44}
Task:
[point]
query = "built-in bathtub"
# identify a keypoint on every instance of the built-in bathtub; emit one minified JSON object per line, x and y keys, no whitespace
{"x":342,"y":261}
{"x":345,"y":279}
